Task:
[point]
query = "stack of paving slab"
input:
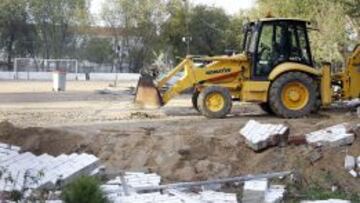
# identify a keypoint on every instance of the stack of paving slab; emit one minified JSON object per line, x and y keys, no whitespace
{"x":115,"y":192}
{"x":256,"y":191}
{"x":7,"y":151}
{"x":334,"y":136}
{"x":260,"y":136}
{"x":28,"y":171}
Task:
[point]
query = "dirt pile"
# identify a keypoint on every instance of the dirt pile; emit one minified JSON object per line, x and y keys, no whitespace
{"x":187,"y":152}
{"x":186,"y":157}
{"x":40,"y":140}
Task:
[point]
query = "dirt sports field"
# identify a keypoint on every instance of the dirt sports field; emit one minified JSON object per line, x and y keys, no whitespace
{"x":174,"y":141}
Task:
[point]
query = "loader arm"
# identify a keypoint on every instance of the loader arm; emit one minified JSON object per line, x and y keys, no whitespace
{"x":187,"y":81}
{"x":221,"y":68}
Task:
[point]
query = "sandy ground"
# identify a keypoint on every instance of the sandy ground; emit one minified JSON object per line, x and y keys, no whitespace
{"x":174,"y":141}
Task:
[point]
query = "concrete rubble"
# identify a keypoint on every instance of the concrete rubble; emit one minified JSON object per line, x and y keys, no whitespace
{"x":27,"y":171}
{"x":338,"y":135}
{"x":114,"y":190}
{"x":327,"y":201}
{"x":261,"y":136}
{"x":349,"y":163}
{"x":259,"y":191}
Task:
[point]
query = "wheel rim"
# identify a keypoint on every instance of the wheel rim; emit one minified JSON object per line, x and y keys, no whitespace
{"x":295,"y":96}
{"x":215,"y":102}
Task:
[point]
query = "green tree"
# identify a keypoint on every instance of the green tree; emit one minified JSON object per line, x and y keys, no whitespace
{"x":208,"y":26}
{"x":329,"y":18}
{"x":56,"y":23}
{"x":136,"y":28}
{"x":14,"y":30}
{"x":98,"y":50}
{"x":212,"y":31}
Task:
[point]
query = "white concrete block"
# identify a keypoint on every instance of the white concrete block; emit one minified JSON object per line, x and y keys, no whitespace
{"x":255,"y":191}
{"x":148,"y":198}
{"x":349,"y":163}
{"x":30,"y":171}
{"x":353,"y":173}
{"x":327,"y":201}
{"x":333,"y":136}
{"x":358,"y":162}
{"x":259,"y":136}
{"x":217,"y":197}
{"x":275,"y":194}
{"x":256,"y":185}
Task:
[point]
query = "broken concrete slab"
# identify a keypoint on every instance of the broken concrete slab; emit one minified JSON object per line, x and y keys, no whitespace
{"x":217,"y":197}
{"x":133,"y":180}
{"x":327,"y":201}
{"x":275,"y":194}
{"x":255,"y":191}
{"x":206,"y":196}
{"x":349,"y":163}
{"x":147,"y":198}
{"x":353,"y":173}
{"x":260,"y":136}
{"x":334,"y":136}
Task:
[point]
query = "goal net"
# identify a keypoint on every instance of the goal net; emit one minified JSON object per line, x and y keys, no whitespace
{"x":45,"y":65}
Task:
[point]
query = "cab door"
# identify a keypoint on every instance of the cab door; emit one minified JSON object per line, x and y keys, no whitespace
{"x":279,"y":42}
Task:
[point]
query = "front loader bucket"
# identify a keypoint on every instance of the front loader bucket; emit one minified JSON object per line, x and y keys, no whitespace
{"x":147,"y":95}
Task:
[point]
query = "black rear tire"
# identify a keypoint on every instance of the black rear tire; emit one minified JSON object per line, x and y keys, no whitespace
{"x":275,"y":95}
{"x":266,"y":107}
{"x":226,"y":107}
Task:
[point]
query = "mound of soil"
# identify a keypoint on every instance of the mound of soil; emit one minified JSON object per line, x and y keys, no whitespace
{"x":192,"y":151}
{"x":40,"y":140}
{"x":188,"y":156}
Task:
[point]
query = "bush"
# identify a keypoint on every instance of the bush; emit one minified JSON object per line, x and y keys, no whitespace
{"x":84,"y":190}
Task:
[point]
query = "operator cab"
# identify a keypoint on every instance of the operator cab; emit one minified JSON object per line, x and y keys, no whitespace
{"x":270,"y":42}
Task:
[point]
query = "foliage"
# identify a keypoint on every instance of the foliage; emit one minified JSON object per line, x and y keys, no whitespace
{"x":330,"y":41}
{"x":84,"y":190}
{"x":98,"y":50}
{"x":316,"y":192}
{"x":55,"y":23}
{"x":212,"y":31}
{"x":15,"y":196}
{"x":14,"y":30}
{"x":139,"y":24}
{"x":59,"y":29}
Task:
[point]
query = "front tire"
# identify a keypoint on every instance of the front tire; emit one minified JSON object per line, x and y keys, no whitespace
{"x":215,"y":102}
{"x":293,"y":95}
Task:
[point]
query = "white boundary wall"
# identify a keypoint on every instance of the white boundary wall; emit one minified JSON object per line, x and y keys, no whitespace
{"x":47,"y":76}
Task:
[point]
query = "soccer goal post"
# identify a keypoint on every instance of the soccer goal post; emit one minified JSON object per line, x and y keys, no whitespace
{"x":29,"y":65}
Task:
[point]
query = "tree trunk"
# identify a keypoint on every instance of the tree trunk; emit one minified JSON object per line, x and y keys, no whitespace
{"x":10,"y":51}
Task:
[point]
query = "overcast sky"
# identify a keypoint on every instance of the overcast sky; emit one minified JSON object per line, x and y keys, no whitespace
{"x":230,"y":6}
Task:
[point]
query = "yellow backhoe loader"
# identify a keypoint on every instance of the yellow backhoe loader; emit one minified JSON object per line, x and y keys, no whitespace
{"x":276,"y":70}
